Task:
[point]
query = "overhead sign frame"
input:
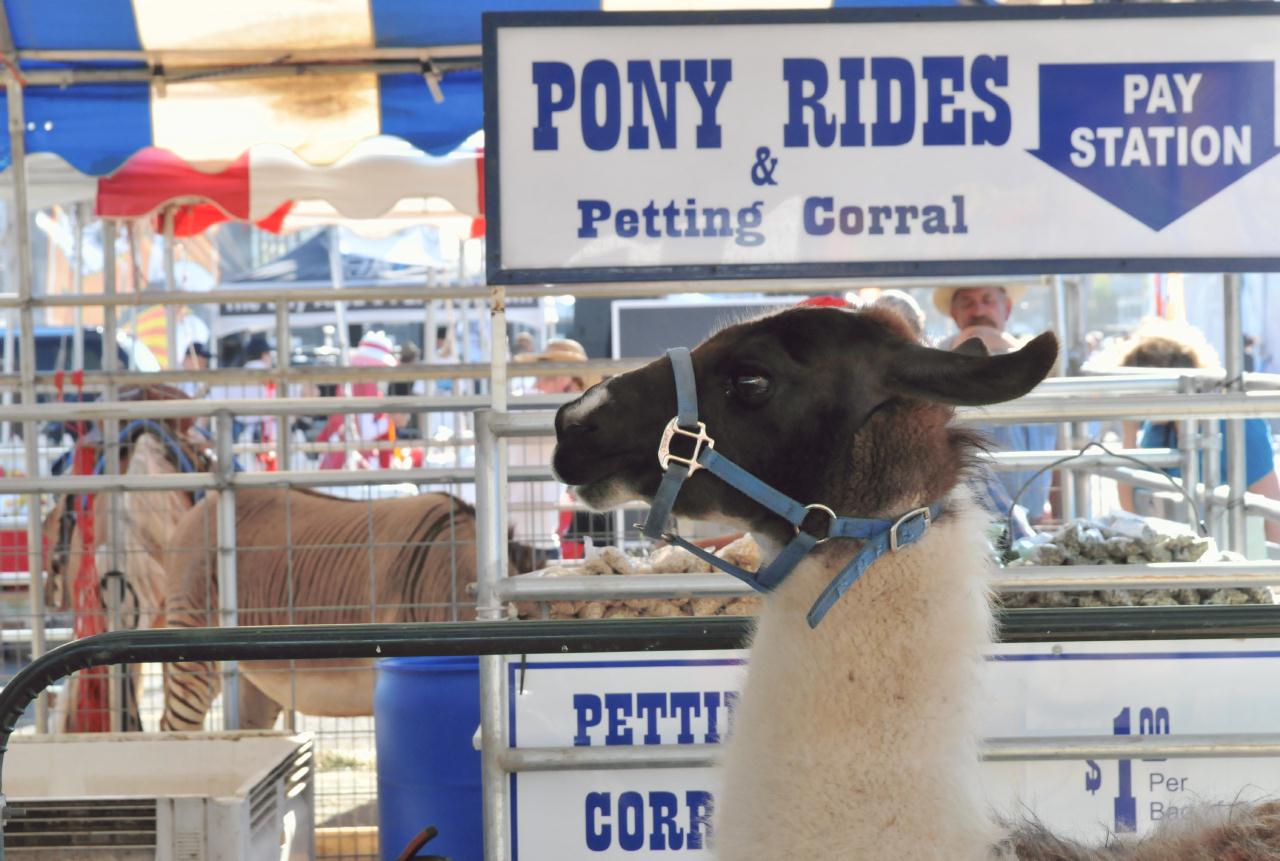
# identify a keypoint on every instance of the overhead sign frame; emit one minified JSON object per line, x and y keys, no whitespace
{"x":1140,"y":222}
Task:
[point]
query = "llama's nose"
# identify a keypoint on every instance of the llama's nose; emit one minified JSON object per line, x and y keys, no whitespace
{"x":583,"y":416}
{"x":572,"y":420}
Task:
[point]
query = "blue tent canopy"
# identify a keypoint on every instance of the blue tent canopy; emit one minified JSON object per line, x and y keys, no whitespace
{"x":97,"y":125}
{"x":105,"y":78}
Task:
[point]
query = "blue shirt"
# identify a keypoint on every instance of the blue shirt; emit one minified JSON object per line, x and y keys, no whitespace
{"x":1259,"y":460}
{"x":1038,"y":437}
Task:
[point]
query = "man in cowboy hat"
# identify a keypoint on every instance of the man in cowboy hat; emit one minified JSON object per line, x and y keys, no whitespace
{"x":984,"y":305}
{"x":982,"y":312}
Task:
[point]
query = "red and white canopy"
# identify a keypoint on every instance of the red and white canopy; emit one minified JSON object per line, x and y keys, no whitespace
{"x":381,"y":177}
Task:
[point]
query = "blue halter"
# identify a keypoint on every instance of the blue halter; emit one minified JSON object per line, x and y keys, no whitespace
{"x":880,"y":536}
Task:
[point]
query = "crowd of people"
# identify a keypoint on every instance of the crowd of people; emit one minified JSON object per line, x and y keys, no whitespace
{"x":345,"y":433}
{"x":1025,"y":497}
{"x":547,"y":512}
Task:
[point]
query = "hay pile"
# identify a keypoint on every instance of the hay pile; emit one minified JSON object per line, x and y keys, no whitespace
{"x":612,"y":562}
{"x":1124,"y":539}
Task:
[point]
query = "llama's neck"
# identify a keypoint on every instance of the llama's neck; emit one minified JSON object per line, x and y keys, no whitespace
{"x":857,"y":740}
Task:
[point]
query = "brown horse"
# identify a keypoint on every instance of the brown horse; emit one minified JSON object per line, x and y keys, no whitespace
{"x":307,"y":558}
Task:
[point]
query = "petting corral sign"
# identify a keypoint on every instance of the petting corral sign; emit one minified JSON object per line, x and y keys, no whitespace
{"x":1032,"y":691}
{"x":881,"y":142}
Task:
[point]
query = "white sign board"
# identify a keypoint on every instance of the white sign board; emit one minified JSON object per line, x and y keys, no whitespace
{"x":1103,"y":689}
{"x":881,"y":142}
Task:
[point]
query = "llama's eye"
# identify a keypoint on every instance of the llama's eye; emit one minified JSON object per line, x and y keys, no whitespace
{"x":751,"y":388}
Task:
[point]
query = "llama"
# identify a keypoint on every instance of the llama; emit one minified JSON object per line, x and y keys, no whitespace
{"x":855,"y":736}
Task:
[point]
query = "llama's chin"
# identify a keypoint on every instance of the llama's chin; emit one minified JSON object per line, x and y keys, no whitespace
{"x":606,"y":494}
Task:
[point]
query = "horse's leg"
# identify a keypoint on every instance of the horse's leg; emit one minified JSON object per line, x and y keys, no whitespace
{"x":257,"y":710}
{"x":131,"y":720}
{"x":189,"y":689}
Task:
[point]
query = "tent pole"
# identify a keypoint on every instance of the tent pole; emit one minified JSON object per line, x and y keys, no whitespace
{"x":170,"y":284}
{"x":27,"y":369}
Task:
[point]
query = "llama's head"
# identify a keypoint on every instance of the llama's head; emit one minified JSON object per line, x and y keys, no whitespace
{"x":827,"y":406}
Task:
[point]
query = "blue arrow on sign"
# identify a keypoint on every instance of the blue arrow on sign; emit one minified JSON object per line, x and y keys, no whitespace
{"x":1156,"y":139}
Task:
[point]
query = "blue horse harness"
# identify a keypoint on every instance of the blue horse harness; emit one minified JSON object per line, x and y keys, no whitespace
{"x":126,"y":434}
{"x":880,"y":536}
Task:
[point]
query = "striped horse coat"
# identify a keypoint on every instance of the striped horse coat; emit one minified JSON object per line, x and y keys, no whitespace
{"x":307,"y":558}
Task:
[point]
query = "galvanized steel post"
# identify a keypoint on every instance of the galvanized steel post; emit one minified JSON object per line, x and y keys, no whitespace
{"x":491,"y":552}
{"x":1237,"y":475}
{"x":228,"y":607}
{"x":1066,"y":430}
{"x":113,"y":538}
{"x":284,"y":447}
{"x":27,"y":368}
{"x":1189,"y":449}
{"x":170,"y":284}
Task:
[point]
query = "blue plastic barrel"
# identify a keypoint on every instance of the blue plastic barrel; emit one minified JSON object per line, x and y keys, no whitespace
{"x":426,"y":711}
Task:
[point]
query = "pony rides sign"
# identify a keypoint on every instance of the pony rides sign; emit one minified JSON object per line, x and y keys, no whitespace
{"x":887,"y":142}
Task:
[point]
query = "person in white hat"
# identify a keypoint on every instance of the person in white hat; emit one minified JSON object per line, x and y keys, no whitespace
{"x":375,"y":350}
{"x":983,"y":312}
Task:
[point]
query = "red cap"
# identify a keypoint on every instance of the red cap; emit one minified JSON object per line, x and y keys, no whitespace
{"x":825,"y":302}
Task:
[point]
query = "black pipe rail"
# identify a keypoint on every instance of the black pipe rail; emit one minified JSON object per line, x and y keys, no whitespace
{"x":555,"y":637}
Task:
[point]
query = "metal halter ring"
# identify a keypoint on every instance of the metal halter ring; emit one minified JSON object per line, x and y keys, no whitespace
{"x":673,"y":429}
{"x":910,"y":515}
{"x":827,"y":511}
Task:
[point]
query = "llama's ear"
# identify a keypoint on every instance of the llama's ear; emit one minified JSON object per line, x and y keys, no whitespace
{"x":972,"y":347}
{"x":967,"y":380}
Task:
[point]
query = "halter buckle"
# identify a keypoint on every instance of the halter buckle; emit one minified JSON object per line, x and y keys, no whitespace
{"x":910,"y":516}
{"x":672,"y":430}
{"x":830,"y":523}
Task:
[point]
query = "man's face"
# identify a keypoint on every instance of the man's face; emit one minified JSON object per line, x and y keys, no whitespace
{"x":980,"y":306}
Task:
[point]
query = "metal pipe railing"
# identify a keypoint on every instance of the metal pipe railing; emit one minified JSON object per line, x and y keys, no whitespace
{"x":1254,"y":503}
{"x":1103,"y":387}
{"x":1041,"y":749}
{"x":1019,"y":460}
{"x":285,"y":478}
{"x":1158,"y":407}
{"x":102,"y":410}
{"x":534,"y":422}
{"x":322,"y":292}
{"x":1025,"y":578}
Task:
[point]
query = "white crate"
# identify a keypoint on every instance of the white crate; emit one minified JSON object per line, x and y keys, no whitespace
{"x":245,"y":796}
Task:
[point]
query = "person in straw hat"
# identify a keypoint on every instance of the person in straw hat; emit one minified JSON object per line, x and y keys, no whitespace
{"x":554,"y":532}
{"x":560,"y":350}
{"x":982,"y":305}
{"x":982,"y":312}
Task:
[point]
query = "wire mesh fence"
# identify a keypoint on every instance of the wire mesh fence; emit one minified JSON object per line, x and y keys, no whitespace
{"x":141,"y":549}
